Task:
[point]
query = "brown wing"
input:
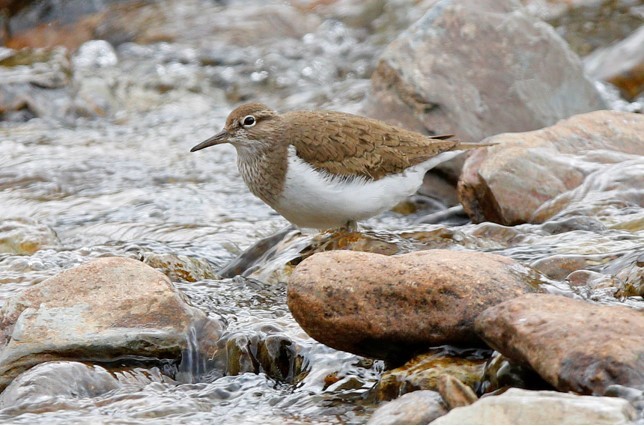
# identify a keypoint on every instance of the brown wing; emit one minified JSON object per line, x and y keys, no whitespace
{"x":350,"y":145}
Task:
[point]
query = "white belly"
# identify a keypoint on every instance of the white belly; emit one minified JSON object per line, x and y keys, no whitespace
{"x":313,"y":199}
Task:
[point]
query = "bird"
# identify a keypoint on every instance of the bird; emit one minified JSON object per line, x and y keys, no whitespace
{"x":328,"y":169}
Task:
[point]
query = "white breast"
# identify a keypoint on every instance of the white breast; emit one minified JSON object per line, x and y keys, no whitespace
{"x":314,"y":199}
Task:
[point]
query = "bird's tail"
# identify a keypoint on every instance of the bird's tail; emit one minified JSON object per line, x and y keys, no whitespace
{"x":462,"y":146}
{"x":473,"y":145}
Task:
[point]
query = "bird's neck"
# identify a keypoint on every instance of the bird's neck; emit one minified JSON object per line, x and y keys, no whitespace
{"x":263,"y":171}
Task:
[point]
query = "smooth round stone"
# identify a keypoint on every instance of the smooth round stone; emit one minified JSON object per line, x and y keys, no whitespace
{"x":392,"y":306}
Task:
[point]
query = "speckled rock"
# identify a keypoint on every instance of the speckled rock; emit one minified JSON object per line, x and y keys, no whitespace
{"x":107,"y":309}
{"x":523,"y":407}
{"x":390,"y":306}
{"x":510,"y":182}
{"x":477,"y":69}
{"x":415,"y":408}
{"x":574,"y":345}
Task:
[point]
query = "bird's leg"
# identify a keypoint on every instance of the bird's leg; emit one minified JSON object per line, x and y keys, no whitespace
{"x":348,"y":228}
{"x":351,"y":226}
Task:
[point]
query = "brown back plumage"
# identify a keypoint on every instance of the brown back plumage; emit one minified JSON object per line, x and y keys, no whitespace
{"x":350,"y":145}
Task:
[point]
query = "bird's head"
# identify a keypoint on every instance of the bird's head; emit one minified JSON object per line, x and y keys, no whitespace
{"x":247,"y":127}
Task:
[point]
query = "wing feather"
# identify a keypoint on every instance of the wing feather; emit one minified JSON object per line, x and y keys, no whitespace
{"x":352,"y":146}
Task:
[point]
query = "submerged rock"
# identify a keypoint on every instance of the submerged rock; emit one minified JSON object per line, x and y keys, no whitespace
{"x":454,"y":392}
{"x":275,"y":355}
{"x":519,"y":180}
{"x":429,"y":372}
{"x":480,"y":69}
{"x":574,"y":345}
{"x":518,"y":406}
{"x":393,"y":306}
{"x":105,"y":310}
{"x":613,"y":187}
{"x":47,"y":382}
{"x":501,"y":372}
{"x":415,"y":408}
{"x":25,"y":236}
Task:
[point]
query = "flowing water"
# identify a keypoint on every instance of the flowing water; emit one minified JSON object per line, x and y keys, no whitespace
{"x":75,"y":188}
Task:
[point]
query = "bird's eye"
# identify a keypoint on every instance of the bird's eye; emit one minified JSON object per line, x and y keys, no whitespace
{"x":249,"y":121}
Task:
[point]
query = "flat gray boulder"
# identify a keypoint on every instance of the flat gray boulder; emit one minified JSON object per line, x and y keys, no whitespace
{"x":477,"y":69}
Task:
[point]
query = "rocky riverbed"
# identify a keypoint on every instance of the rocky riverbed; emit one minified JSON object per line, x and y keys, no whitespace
{"x":140,"y":283}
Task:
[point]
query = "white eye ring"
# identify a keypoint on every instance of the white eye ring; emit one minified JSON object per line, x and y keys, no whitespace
{"x":249,"y":121}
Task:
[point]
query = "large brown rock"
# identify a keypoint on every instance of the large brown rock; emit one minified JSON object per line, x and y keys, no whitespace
{"x":392,"y":306}
{"x":105,"y":310}
{"x":509,"y":182}
{"x":476,"y":69}
{"x":574,"y":345}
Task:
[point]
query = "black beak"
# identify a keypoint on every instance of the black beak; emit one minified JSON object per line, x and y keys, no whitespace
{"x":219,"y":138}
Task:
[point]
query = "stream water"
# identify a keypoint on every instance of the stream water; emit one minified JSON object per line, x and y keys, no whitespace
{"x":74,"y":188}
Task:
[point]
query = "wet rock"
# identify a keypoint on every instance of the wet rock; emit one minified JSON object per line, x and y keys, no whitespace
{"x":258,"y":253}
{"x":518,"y":406}
{"x":501,"y":372}
{"x":632,"y":395}
{"x":453,"y":216}
{"x":558,"y":267}
{"x":389,"y":306}
{"x":239,"y":354}
{"x":59,"y":379}
{"x":574,"y":223}
{"x":272,"y":259}
{"x":621,"y":64}
{"x":620,"y":184}
{"x":574,"y":345}
{"x":427,"y":372}
{"x":34,"y":83}
{"x":107,"y":309}
{"x":415,"y":408}
{"x":588,"y":25}
{"x":24,"y":236}
{"x":275,"y":355}
{"x":477,"y":70}
{"x":508,"y":183}
{"x":180,"y":267}
{"x":360,"y":14}
{"x":454,"y":392}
